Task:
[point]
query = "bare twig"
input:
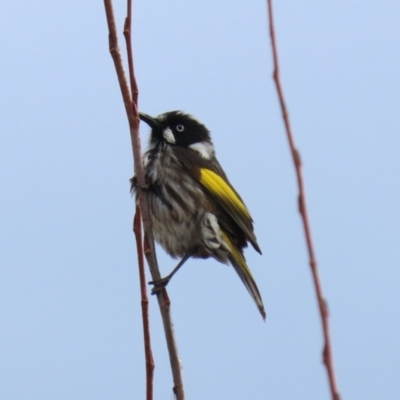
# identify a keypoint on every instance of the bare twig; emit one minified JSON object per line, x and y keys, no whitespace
{"x":327,"y":352}
{"x":137,"y":228}
{"x":133,"y":119}
{"x":128,"y":40}
{"x":137,"y":224}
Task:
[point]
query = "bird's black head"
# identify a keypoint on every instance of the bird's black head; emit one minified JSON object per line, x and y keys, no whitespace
{"x":177,"y":128}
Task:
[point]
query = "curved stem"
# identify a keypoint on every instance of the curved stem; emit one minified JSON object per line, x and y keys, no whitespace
{"x":322,"y":304}
{"x":131,"y":108}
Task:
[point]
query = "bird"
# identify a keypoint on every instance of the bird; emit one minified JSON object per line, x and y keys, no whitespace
{"x":195,"y":211}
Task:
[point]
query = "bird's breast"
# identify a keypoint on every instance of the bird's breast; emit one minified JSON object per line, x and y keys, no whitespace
{"x":176,"y":201}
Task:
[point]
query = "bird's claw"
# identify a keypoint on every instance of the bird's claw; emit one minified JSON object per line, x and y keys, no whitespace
{"x":159,"y":285}
{"x":134,"y":183}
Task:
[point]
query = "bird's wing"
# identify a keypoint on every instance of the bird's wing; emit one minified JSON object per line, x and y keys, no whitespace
{"x":212,"y":178}
{"x":226,"y":196}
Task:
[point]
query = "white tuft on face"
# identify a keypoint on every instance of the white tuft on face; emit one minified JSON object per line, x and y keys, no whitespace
{"x":169,"y":136}
{"x":205,"y":149}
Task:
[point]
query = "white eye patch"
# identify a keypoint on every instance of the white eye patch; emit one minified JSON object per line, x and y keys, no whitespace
{"x":169,"y":136}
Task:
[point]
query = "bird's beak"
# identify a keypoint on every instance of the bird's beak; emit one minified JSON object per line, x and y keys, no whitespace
{"x":152,"y":122}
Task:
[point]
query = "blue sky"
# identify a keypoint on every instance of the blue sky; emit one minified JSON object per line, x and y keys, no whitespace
{"x":69,"y":294}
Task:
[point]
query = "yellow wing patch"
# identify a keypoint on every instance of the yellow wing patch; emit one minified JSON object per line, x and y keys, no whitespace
{"x":239,"y":264}
{"x":217,"y":185}
{"x":237,"y":255}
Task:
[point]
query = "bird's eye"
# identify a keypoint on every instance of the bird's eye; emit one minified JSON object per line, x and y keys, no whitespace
{"x":180,"y":128}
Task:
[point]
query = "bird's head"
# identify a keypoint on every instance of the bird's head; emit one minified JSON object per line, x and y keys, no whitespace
{"x":176,"y":128}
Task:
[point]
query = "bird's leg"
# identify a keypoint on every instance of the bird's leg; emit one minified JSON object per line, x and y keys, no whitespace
{"x":160,"y":284}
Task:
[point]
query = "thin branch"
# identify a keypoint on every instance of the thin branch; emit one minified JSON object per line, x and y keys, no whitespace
{"x":137,"y":224}
{"x":323,"y":308}
{"x":137,"y":228}
{"x":133,"y":119}
{"x":128,"y":40}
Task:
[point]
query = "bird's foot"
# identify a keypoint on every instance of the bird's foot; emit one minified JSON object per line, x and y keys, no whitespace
{"x":135,"y":184}
{"x":160,"y":284}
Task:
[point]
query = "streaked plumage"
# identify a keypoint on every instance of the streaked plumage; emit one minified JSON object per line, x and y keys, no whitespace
{"x":195,"y":211}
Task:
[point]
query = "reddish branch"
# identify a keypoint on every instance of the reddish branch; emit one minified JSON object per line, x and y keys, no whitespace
{"x":128,"y":40}
{"x":137,"y":228}
{"x":137,"y":224}
{"x":130,"y":101}
{"x":323,"y":308}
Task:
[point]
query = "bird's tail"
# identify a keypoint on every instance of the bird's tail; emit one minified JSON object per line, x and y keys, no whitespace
{"x":238,"y":262}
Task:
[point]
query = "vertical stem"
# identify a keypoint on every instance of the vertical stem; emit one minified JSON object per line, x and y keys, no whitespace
{"x":137,"y":228}
{"x":322,"y":304}
{"x":133,"y":119}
